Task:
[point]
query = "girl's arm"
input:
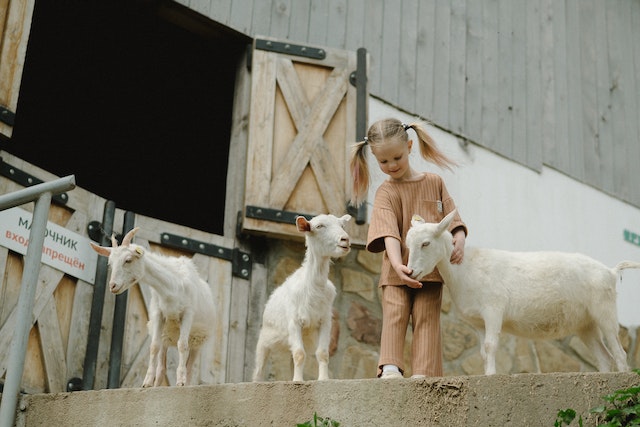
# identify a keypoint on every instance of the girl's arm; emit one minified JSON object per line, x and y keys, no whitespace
{"x":392,"y":246}
{"x":459,"y":238}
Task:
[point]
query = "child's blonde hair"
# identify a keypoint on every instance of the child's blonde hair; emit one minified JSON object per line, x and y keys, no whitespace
{"x":387,"y":130}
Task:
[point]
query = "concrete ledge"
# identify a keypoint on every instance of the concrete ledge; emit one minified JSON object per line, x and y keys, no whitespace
{"x":499,"y":400}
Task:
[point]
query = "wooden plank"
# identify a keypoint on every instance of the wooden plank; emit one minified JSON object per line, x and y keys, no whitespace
{"x":473,"y":90}
{"x":533,"y":94}
{"x":629,"y":89}
{"x":589,"y":93}
{"x":203,"y":7}
{"x":258,"y":294}
{"x":261,"y":128}
{"x":237,"y":149}
{"x":337,"y":24}
{"x":604,"y":148}
{"x":318,"y":22}
{"x":374,"y":18}
{"x":442,"y":57}
{"x":547,"y":74}
{"x":280,"y":19}
{"x":425,"y":59}
{"x":407,"y":49}
{"x":134,"y":376}
{"x":47,"y":283}
{"x":504,"y":137}
{"x":53,"y":352}
{"x":560,"y":147}
{"x":391,"y":47}
{"x":299,"y":21}
{"x":79,"y":330}
{"x":261,"y":19}
{"x":16,"y":24}
{"x":219,"y":10}
{"x":357,"y":25}
{"x":216,"y":355}
{"x":458,"y":60}
{"x":240,"y":16}
{"x":519,"y":140}
{"x":490,"y":74}
{"x":4,"y":11}
{"x":575,"y":90}
{"x":620,"y":83}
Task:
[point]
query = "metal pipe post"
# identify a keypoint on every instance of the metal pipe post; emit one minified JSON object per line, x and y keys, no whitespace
{"x":18,"y":348}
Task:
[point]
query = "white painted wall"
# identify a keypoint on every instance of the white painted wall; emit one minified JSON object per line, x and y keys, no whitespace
{"x":508,"y":206}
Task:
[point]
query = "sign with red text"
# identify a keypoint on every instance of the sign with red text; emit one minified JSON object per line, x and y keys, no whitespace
{"x":63,"y":249}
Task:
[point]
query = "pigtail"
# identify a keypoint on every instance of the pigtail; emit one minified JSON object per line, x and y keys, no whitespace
{"x":359,"y":173}
{"x":428,"y":148}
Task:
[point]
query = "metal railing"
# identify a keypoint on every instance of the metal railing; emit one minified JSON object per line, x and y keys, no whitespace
{"x":41,"y":194}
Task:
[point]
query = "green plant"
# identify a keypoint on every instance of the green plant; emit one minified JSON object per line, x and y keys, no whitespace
{"x":621,"y":410}
{"x":320,"y":422}
{"x":566,"y":417}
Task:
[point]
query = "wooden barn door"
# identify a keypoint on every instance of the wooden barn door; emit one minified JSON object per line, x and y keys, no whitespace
{"x":60,"y":340}
{"x":302,"y":123}
{"x":15,"y":24}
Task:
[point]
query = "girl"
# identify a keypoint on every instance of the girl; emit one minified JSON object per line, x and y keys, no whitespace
{"x":406,"y":192}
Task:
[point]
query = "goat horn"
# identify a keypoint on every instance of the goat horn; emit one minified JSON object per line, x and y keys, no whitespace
{"x":114,"y":242}
{"x":127,"y":238}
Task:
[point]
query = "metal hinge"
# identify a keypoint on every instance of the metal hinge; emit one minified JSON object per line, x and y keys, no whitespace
{"x":240,"y":261}
{"x":7,"y":116}
{"x":274,"y":215}
{"x":27,"y":180}
{"x":291,"y":49}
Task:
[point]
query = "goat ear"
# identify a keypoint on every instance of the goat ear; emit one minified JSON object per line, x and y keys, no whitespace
{"x":345,"y":218}
{"x":302,"y":224}
{"x":417,"y":219}
{"x":446,"y":221}
{"x":126,"y":240}
{"x":101,"y":250}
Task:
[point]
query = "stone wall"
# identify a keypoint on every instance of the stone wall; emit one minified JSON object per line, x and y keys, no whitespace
{"x":358,"y":319}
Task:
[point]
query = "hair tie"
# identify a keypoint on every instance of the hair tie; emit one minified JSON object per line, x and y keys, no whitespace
{"x":405,"y":126}
{"x":366,"y":140}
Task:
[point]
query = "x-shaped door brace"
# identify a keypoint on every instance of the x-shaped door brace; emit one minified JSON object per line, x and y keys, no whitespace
{"x":308,"y":146}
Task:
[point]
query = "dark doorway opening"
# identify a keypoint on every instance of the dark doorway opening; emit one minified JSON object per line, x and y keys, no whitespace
{"x":133,"y":104}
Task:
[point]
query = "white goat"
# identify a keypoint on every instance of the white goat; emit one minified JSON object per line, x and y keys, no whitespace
{"x":299,"y":311}
{"x":181,"y":311}
{"x":534,"y":295}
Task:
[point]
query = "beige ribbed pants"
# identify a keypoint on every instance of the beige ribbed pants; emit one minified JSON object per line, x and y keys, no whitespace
{"x":399,"y":303}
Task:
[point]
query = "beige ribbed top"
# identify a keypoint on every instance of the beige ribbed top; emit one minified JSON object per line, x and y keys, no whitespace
{"x":394,"y":205}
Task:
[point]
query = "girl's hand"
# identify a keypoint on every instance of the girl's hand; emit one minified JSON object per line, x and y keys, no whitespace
{"x":458,"y":247}
{"x":404,"y":274}
{"x":392,"y":246}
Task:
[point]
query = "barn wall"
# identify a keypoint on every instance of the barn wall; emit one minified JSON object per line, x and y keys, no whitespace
{"x":544,"y":82}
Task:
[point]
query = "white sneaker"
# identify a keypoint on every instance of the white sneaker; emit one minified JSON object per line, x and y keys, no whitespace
{"x":417,"y":377}
{"x":391,"y":374}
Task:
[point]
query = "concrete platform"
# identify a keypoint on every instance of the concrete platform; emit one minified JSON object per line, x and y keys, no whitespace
{"x":500,"y":400}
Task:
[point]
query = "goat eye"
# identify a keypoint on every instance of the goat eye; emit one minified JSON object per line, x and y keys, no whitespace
{"x":425,"y":244}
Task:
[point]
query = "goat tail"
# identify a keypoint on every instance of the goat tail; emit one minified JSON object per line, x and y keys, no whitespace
{"x":626,"y":264}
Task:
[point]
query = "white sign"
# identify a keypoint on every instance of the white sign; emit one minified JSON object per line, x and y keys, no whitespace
{"x":63,"y":249}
